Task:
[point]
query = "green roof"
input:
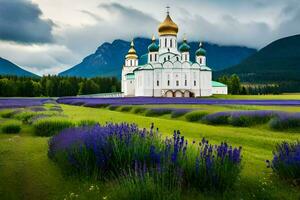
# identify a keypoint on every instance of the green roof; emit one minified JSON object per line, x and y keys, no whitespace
{"x":217,"y":84}
{"x":130,"y":76}
{"x":201,"y":52}
{"x":153,"y":47}
{"x":184,"y":47}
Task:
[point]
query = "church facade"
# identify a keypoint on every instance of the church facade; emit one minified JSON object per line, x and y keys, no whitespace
{"x":168,"y":71}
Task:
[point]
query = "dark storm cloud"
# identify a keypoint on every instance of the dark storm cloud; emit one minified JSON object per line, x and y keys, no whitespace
{"x":20,"y":22}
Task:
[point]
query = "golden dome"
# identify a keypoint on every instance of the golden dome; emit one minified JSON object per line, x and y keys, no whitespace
{"x":168,"y":27}
{"x":131,"y":53}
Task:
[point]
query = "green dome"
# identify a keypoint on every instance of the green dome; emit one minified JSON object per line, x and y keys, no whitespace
{"x":153,"y":47}
{"x":184,"y":47}
{"x":201,"y":52}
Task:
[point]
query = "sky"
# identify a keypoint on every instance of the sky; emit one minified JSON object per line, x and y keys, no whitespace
{"x":50,"y":36}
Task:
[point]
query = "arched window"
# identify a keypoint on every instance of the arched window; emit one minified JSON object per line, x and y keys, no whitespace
{"x":200,"y":60}
{"x":157,"y":83}
{"x":171,"y":43}
{"x":177,"y":58}
{"x":130,"y":62}
{"x":150,"y":57}
{"x":165,"y":59}
{"x":165,"y":42}
{"x":168,"y":57}
{"x":168,"y":82}
{"x":177,"y":83}
{"x":195,"y":83}
{"x":185,"y":82}
{"x":186,"y":57}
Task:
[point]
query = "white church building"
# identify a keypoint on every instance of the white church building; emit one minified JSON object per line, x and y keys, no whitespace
{"x":168,"y":70}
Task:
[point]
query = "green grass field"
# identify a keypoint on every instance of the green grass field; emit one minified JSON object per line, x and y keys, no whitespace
{"x":27,"y":173}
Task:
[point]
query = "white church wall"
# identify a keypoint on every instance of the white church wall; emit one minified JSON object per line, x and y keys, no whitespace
{"x":220,"y":90}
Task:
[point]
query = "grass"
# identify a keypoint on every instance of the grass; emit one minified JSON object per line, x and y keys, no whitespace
{"x":27,"y":173}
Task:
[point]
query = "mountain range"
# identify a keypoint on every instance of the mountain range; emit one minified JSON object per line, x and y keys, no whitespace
{"x":277,"y":62}
{"x":109,"y":57}
{"x":9,"y":68}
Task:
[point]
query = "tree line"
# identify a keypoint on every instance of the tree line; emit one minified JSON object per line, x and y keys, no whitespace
{"x":56,"y":86}
{"x":235,"y":86}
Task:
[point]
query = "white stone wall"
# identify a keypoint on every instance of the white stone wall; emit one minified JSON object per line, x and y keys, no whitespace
{"x":220,"y":90}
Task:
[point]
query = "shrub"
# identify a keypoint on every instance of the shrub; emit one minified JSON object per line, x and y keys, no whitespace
{"x":8,"y":113}
{"x":139,"y":110}
{"x":12,"y":126}
{"x":285,"y":121}
{"x":151,"y":112}
{"x":87,"y":123}
{"x":113,"y":107}
{"x":179,"y":112}
{"x":217,"y":118}
{"x":250,"y":118}
{"x":126,"y":108}
{"x":115,"y":150}
{"x":51,"y":126}
{"x":286,"y":161}
{"x":195,"y":116}
{"x":25,"y":116}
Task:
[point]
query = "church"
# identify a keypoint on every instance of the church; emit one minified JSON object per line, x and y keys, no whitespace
{"x":167,"y":70}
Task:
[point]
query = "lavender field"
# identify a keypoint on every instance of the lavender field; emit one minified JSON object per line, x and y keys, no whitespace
{"x":86,"y":148}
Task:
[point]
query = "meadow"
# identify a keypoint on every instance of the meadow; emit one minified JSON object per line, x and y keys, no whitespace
{"x":26,"y":171}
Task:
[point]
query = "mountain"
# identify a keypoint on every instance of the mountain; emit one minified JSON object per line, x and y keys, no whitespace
{"x":9,"y":68}
{"x":109,"y":57}
{"x":277,"y":62}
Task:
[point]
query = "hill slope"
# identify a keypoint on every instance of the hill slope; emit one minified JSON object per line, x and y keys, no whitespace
{"x":8,"y":68}
{"x":109,"y":57}
{"x":277,"y":62}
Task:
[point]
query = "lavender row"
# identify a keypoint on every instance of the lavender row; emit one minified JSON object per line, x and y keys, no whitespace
{"x":94,"y":102}
{"x":22,"y":102}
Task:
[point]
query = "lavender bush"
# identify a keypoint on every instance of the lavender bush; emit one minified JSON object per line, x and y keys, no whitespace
{"x":219,"y":118}
{"x":151,"y":112}
{"x":286,"y":161}
{"x":178,"y":112}
{"x":250,"y":118}
{"x":286,"y":121}
{"x":118,"y":150}
{"x":195,"y":116}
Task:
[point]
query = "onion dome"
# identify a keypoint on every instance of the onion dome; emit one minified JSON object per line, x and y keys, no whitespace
{"x":131,"y":53}
{"x":200,"y":51}
{"x":184,"y":47}
{"x":168,"y":27}
{"x":153,"y":47}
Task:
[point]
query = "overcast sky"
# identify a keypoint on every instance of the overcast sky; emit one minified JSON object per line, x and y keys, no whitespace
{"x":48,"y":36}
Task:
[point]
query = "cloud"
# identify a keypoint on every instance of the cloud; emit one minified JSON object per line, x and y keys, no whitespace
{"x":20,"y":21}
{"x":117,"y":22}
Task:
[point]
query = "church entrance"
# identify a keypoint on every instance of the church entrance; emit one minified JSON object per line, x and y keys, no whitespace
{"x":169,"y":93}
{"x":178,"y":94}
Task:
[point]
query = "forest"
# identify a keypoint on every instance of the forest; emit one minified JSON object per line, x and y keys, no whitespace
{"x":56,"y":86}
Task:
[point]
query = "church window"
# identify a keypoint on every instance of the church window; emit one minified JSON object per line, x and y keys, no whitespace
{"x":168,"y":82}
{"x":165,"y":42}
{"x":185,"y":57}
{"x":165,"y":59}
{"x":171,"y":43}
{"x":177,"y":58}
{"x":185,"y":82}
{"x":150,"y":57}
{"x":157,"y":83}
{"x":195,"y":83}
{"x":177,"y":83}
{"x":200,"y":60}
{"x":168,"y":57}
{"x":130,"y":62}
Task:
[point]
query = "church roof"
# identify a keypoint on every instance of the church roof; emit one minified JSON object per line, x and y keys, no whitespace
{"x":168,"y":27}
{"x":217,"y":84}
{"x":200,"y":51}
